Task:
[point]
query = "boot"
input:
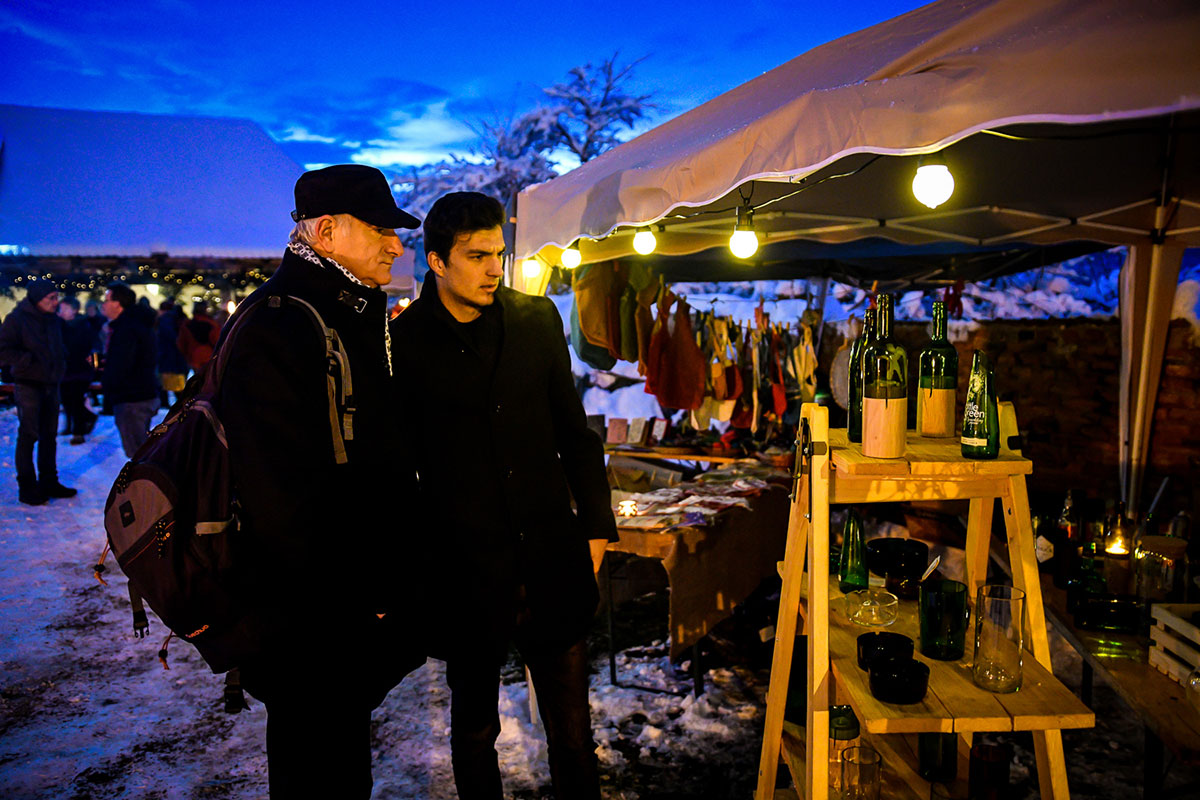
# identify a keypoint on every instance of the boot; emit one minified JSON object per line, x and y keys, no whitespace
{"x":53,"y":489}
{"x":29,"y":493}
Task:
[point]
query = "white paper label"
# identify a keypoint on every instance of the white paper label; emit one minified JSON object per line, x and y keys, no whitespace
{"x":1043,"y":548}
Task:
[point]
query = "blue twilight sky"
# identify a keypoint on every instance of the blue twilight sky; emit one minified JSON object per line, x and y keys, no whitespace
{"x":389,"y":83}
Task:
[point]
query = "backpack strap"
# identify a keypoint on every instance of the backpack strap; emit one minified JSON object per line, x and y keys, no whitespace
{"x":338,"y":382}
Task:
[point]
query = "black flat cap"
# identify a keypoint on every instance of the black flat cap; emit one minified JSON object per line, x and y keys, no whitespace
{"x":354,"y":189}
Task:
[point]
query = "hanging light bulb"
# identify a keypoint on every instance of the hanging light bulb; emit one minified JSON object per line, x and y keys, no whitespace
{"x":933,"y":184}
{"x":744,"y":241}
{"x":531,"y":268}
{"x":231,"y":306}
{"x":644,"y":241}
{"x":571,"y":257}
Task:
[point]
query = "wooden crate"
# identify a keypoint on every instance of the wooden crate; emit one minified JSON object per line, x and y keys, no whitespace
{"x":1175,"y":648}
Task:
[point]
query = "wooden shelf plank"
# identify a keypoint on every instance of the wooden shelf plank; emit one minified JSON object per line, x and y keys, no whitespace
{"x":928,"y":458}
{"x":953,"y":704}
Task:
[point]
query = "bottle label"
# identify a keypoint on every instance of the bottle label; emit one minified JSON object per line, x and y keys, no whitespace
{"x":1043,"y":548}
{"x":974,"y":415}
{"x":884,"y":424}
{"x":971,"y":441}
{"x":935,"y":412}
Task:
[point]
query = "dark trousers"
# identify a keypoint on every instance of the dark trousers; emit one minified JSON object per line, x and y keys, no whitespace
{"x":319,"y":699}
{"x":79,"y":418}
{"x":133,"y":422}
{"x":37,"y":423}
{"x":560,"y":679}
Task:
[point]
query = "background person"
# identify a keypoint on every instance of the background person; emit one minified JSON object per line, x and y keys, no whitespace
{"x":502,"y":447}
{"x":172,"y":366}
{"x":78,"y":338}
{"x":129,"y":378}
{"x":198,"y":336}
{"x":31,"y":345}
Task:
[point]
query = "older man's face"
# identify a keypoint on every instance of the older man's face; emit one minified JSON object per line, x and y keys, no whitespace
{"x":365,"y":250}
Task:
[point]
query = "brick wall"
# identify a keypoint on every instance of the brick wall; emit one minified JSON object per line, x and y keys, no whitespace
{"x":1062,"y":377}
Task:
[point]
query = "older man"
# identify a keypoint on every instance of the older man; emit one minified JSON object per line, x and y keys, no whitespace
{"x":31,"y":345}
{"x":321,"y":557}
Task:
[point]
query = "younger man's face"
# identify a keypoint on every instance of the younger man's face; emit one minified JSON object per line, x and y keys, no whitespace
{"x":473,"y":270}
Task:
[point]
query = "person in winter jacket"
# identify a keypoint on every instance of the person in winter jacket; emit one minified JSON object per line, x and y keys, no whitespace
{"x":31,"y":345}
{"x":78,"y":338}
{"x":172,"y":366}
{"x":129,"y":380}
{"x":198,"y":336}
{"x":502,"y":447}
{"x":321,"y":559}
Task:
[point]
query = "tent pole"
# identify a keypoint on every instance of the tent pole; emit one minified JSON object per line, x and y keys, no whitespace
{"x":1163,"y":277}
{"x":1134,"y":284}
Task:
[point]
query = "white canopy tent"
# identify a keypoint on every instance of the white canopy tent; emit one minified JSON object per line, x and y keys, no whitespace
{"x":1061,"y":121}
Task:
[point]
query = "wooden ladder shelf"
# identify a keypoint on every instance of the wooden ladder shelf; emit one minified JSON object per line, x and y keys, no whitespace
{"x":831,"y":470}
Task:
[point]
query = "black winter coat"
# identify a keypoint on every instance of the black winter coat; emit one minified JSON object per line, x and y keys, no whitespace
{"x":500,"y":457}
{"x":129,"y":361}
{"x":320,"y":551}
{"x":80,"y":340}
{"x":31,"y":345}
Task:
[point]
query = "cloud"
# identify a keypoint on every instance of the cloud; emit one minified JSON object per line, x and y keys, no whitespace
{"x":295,"y":134}
{"x":416,"y":135}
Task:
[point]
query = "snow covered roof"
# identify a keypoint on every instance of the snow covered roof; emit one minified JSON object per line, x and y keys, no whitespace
{"x":95,"y":183}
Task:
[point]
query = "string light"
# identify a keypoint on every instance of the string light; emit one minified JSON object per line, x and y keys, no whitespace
{"x":744,"y":241}
{"x":933,"y":184}
{"x":531,"y":268}
{"x":644,"y":241}
{"x":571,"y":258}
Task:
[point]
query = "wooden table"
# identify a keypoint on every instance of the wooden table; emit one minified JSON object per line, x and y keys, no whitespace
{"x":1161,"y":703}
{"x":832,"y":470}
{"x":711,"y":569}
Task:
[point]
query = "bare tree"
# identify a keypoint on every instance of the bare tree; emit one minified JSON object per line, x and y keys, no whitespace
{"x":593,"y":106}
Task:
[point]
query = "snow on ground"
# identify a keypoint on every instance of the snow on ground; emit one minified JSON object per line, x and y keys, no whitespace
{"x":86,"y":711}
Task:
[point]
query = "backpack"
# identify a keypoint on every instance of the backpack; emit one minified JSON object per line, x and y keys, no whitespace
{"x":172,"y":514}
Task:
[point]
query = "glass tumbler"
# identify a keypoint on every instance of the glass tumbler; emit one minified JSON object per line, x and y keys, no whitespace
{"x":999,"y":642}
{"x":862,"y":769}
{"x":943,"y":614}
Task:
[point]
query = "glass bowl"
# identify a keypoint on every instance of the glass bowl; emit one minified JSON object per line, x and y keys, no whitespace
{"x":872,"y":608}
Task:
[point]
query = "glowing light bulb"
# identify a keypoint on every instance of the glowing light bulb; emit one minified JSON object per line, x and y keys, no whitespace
{"x":531,"y":268}
{"x":627,"y":508}
{"x":933,"y":184}
{"x":744,"y":241}
{"x":571,"y":257}
{"x":152,"y":288}
{"x":231,"y":306}
{"x":743,"y":244}
{"x":644,"y":241}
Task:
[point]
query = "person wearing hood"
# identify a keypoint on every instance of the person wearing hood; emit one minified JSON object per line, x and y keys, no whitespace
{"x":31,"y":345}
{"x":129,"y":379}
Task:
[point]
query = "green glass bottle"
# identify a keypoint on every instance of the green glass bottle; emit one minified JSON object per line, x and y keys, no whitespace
{"x":852,"y":569}
{"x":854,"y":413}
{"x":885,"y":388}
{"x":981,"y":418}
{"x":937,"y":381}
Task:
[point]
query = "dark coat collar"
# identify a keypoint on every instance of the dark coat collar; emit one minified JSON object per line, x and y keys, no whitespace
{"x":429,"y":303}
{"x":297,"y":275}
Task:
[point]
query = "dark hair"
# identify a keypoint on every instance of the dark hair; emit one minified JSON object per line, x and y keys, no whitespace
{"x":200,"y":307}
{"x":457,"y":213}
{"x":69,"y":301}
{"x":123,"y":295}
{"x":166,"y":305}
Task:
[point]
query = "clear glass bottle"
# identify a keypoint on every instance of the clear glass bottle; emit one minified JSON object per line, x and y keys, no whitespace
{"x":854,"y":413}
{"x":885,"y":389}
{"x":937,"y":381}
{"x":981,"y":418}
{"x":852,"y":568}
